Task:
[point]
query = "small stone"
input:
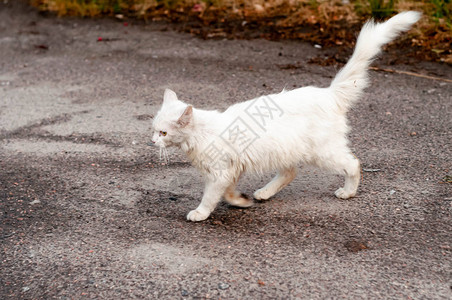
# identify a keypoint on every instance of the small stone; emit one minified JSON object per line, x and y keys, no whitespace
{"x":223,"y":286}
{"x":184,"y":293}
{"x":391,"y":192}
{"x":25,"y":289}
{"x":371,"y":170}
{"x":355,"y":246}
{"x":35,"y":202}
{"x":259,"y":8}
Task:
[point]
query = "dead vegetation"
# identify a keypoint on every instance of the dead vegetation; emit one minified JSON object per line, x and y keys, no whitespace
{"x":326,"y":23}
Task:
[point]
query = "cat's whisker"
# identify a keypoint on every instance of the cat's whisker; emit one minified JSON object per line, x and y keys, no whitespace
{"x":166,"y":156}
{"x":163,"y":155}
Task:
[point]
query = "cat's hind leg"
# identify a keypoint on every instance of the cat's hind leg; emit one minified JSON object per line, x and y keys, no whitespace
{"x":349,"y":166}
{"x":282,"y":179}
{"x":235,"y":198}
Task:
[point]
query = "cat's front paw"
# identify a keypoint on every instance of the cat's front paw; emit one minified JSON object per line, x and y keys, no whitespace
{"x":343,"y":194}
{"x":196,"y":216}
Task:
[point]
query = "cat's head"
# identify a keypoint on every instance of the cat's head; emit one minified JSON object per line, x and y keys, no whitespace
{"x":172,"y":121}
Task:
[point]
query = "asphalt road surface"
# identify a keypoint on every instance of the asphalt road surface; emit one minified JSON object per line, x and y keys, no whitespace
{"x":88,"y":210}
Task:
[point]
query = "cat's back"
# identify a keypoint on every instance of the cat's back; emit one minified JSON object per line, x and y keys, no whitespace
{"x":298,"y":101}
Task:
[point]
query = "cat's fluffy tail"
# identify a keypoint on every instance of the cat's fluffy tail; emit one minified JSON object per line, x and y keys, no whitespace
{"x":349,"y":83}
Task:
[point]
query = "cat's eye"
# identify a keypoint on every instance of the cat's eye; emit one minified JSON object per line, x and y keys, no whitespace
{"x":163,"y":133}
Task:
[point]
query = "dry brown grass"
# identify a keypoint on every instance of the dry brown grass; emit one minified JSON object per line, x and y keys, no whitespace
{"x":329,"y":22}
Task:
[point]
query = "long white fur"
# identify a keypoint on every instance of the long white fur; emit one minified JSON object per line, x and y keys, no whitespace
{"x":305,"y":126}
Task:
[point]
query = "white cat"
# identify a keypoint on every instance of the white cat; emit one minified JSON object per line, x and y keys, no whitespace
{"x":305,"y":126}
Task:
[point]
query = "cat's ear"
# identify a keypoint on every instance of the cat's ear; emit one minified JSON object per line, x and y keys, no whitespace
{"x":186,"y":117}
{"x":169,"y":96}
